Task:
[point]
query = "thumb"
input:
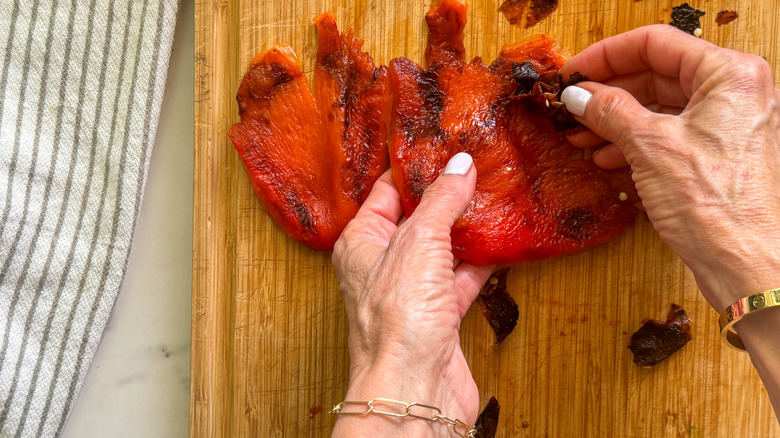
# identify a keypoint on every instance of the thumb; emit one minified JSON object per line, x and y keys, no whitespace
{"x":612,"y":113}
{"x":446,"y":199}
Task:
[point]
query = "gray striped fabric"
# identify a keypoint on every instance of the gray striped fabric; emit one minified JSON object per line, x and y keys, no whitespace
{"x":81,"y":84}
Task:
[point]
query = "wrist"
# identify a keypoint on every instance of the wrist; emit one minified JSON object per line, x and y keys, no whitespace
{"x":386,"y":379}
{"x":730,"y":258}
{"x":758,"y":332}
{"x":760,"y":326}
{"x":379,"y":425}
{"x":723,"y":287}
{"x":400,"y":379}
{"x":400,"y":371}
{"x":389,"y":377}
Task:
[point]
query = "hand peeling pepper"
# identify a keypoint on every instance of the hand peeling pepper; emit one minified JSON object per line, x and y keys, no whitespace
{"x":313,"y":158}
{"x":535,"y":197}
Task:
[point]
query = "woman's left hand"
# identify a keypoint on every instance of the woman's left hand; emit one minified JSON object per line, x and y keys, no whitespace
{"x":405,"y":296}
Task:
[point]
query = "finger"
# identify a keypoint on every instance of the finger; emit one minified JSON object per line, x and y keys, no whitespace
{"x":660,"y":48}
{"x":585,"y":139}
{"x":610,"y":157}
{"x":375,"y":221}
{"x":469,"y":279}
{"x":383,"y":201}
{"x":664,"y":109}
{"x":456,"y":261}
{"x":649,"y":87}
{"x":612,"y":113}
{"x":444,"y":201}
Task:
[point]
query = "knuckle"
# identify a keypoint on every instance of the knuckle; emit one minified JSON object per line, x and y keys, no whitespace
{"x":337,"y":257}
{"x":338,"y":248}
{"x":751,"y":68}
{"x":746,"y":69}
{"x":756,"y":69}
{"x":662,"y":30}
{"x":445,"y":192}
{"x":439,"y":198}
{"x":656,"y":126}
{"x":344,"y":243}
{"x":422,"y":234}
{"x":610,"y":105}
{"x":417,"y":231}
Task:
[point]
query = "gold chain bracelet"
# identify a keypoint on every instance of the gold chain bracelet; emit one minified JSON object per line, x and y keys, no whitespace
{"x":460,"y":428}
{"x":736,"y":311}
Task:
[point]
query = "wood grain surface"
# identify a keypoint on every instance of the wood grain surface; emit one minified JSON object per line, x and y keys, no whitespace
{"x":269,"y":354}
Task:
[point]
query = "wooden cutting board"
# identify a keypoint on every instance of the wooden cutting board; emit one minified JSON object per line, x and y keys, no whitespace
{"x":269,"y":354}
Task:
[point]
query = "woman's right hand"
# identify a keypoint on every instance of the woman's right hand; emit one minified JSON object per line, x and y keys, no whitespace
{"x":700,"y":127}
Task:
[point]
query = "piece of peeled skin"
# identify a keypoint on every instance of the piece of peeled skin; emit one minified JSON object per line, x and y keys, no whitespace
{"x":497,"y":305}
{"x":657,"y":340}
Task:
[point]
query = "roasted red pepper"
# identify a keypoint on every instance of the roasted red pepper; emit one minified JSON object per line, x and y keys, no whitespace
{"x":537,"y":197}
{"x":313,"y":159}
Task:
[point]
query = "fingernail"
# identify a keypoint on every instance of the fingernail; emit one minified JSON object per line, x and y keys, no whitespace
{"x":576,"y":99}
{"x":459,"y":164}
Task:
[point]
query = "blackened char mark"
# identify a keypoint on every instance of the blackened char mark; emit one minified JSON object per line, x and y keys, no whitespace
{"x":335,"y":65}
{"x":301,"y":211}
{"x":331,"y":62}
{"x":578,"y":223}
{"x":416,"y":183}
{"x":354,"y":88}
{"x":357,"y":168}
{"x":263,"y":89}
{"x":280,"y":75}
{"x":360,"y":169}
{"x":426,"y":126}
{"x":433,"y":103}
{"x":363,"y":138}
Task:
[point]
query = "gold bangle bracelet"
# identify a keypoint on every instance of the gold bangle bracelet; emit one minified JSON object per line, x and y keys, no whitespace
{"x":736,"y":311}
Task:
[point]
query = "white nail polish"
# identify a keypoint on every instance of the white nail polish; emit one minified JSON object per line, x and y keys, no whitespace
{"x":459,"y":164}
{"x":576,"y":99}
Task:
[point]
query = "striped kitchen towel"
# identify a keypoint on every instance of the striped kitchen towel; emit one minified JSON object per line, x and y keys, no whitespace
{"x":81,"y":83}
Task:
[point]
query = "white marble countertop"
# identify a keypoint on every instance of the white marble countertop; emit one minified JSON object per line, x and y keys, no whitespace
{"x":139,"y":383}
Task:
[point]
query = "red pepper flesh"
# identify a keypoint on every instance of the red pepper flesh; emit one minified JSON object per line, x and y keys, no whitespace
{"x":537,"y":196}
{"x":312,"y":159}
